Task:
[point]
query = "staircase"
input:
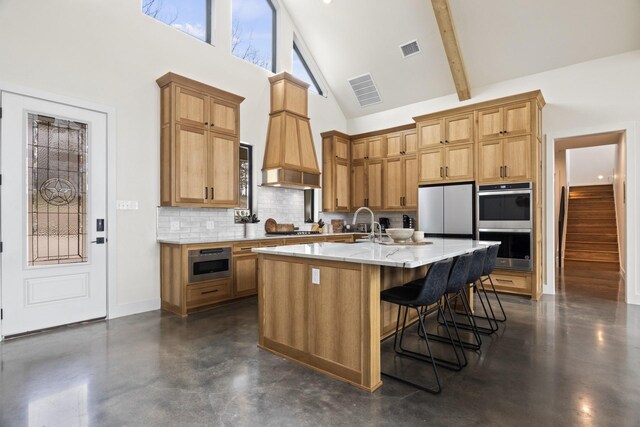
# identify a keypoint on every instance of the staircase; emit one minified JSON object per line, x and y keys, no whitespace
{"x":592,"y":233}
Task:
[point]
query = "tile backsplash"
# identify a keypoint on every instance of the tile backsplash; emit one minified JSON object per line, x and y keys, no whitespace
{"x":284,"y":205}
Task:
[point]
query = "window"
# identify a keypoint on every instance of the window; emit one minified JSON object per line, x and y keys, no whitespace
{"x":301,"y":70}
{"x":254,"y":32}
{"x":190,"y":16}
{"x":246,"y":182}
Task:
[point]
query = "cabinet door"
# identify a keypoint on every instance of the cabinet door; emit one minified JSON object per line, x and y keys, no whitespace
{"x":191,"y":184}
{"x":223,"y":117}
{"x":410,"y":167}
{"x":431,"y":165}
{"x":517,"y":119}
{"x":341,"y":148}
{"x":224,"y":170}
{"x":191,"y":107}
{"x":517,"y":158}
{"x":430,"y":134}
{"x":410,"y":138}
{"x":358,"y":185}
{"x":375,"y":148}
{"x":394,"y":144}
{"x":459,"y":129}
{"x":374,"y":184}
{"x":342,"y":186}
{"x":459,"y":162}
{"x":358,"y":149}
{"x":394,"y":181}
{"x":245,"y":275}
{"x":490,"y":161}
{"x":490,"y":123}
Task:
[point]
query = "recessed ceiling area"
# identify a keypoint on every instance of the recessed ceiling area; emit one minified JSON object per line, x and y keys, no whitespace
{"x":499,"y":40}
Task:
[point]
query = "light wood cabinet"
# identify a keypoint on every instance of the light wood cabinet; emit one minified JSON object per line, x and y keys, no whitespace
{"x":448,"y":164}
{"x":430,"y":133}
{"x":401,"y":183}
{"x":374,"y":185}
{"x":402,"y":143}
{"x":358,"y":185}
{"x":336,"y":180}
{"x":510,"y":120}
{"x":410,"y":139}
{"x":410,"y":194}
{"x":375,"y":148}
{"x":457,"y":129}
{"x":199,"y":144}
{"x":358,"y":149}
{"x":245,"y":274}
{"x":507,"y":159}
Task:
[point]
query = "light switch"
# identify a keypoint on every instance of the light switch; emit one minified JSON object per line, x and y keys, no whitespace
{"x":210,"y":225}
{"x":315,"y":276}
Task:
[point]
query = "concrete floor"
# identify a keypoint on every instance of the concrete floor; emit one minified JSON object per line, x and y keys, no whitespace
{"x":560,"y":361}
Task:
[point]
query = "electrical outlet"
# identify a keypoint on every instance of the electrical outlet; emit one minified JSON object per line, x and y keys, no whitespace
{"x":175,"y":225}
{"x":210,"y":225}
{"x":127,"y":205}
{"x":315,"y":276}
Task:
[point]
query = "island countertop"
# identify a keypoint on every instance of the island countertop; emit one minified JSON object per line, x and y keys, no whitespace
{"x":380,"y":254}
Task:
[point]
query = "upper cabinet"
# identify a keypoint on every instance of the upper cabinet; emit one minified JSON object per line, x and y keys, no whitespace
{"x":336,"y":172}
{"x":199,"y":138}
{"x":449,"y":130}
{"x":502,"y":121}
{"x":402,"y":143}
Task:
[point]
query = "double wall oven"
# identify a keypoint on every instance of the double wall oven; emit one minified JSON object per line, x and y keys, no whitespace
{"x":505,"y":215}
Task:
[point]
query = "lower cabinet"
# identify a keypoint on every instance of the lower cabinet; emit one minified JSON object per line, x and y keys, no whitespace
{"x":245,"y":275}
{"x":208,"y":292}
{"x":511,"y":282}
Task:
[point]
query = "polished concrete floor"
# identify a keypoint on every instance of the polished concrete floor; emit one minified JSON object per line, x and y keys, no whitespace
{"x":557,"y":362}
{"x":595,"y":282}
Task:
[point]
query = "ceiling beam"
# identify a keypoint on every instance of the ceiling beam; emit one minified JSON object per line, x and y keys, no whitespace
{"x":449,"y":40}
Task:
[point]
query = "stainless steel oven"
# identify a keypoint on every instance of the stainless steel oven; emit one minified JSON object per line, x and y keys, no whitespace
{"x":209,"y":264}
{"x":516,"y":247}
{"x":505,"y":206}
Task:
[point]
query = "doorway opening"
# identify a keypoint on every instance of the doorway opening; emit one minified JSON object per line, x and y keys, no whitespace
{"x":590,"y":215}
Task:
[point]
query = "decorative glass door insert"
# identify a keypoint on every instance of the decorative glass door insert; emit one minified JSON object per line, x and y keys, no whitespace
{"x":56,"y":191}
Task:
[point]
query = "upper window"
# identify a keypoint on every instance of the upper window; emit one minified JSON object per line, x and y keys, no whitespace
{"x":191,"y":16}
{"x":254,"y":32}
{"x":301,"y":70}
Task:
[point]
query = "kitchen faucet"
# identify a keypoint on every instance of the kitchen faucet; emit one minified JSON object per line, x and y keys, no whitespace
{"x":372,"y":235}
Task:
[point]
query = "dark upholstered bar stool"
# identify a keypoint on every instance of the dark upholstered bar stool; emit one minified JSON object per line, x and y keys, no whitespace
{"x":489,"y":266}
{"x":431,"y":290}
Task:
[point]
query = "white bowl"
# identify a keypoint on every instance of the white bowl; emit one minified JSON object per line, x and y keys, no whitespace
{"x":400,"y":234}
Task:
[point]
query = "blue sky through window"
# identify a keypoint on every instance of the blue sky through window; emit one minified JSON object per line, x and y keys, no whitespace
{"x":252,"y":27}
{"x":189,"y":16}
{"x":300,"y":71}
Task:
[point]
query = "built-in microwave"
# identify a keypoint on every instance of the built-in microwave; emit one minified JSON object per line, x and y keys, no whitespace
{"x":209,"y":264}
{"x":505,"y":206}
{"x":516,"y":247}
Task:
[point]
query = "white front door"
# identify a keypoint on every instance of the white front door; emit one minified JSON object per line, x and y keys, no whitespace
{"x":54,"y":261}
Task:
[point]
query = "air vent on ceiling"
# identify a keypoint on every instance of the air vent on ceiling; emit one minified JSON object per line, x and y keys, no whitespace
{"x":410,"y":49}
{"x":365,"y":90}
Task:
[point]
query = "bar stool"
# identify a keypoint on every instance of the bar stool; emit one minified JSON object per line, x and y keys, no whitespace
{"x":489,"y":266}
{"x":432,"y":289}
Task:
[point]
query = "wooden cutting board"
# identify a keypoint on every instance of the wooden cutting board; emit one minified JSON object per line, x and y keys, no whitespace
{"x":284,"y":227}
{"x":270,"y":225}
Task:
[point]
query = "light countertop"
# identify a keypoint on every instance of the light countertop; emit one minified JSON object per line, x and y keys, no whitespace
{"x":378,"y":254}
{"x":195,"y":241}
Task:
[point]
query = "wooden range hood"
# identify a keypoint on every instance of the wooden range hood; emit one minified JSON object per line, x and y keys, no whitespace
{"x":290,"y":157}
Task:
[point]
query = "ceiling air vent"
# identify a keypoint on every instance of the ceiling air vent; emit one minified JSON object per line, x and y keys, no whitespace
{"x":410,"y":49}
{"x":365,"y":90}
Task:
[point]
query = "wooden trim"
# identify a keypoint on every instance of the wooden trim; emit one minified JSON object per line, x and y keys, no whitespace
{"x":286,"y":76}
{"x":196,"y":85}
{"x":442,"y":11}
{"x":400,"y":128}
{"x":332,"y":133}
{"x":537,"y":94}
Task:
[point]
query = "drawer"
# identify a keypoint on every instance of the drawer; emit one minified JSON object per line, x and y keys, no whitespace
{"x":272,"y":243}
{"x":207,"y":293}
{"x":245,"y":247}
{"x":515,"y":282}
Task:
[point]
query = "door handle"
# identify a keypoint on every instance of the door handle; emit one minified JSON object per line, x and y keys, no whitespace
{"x":206,"y":193}
{"x":99,"y":241}
{"x":441,"y":172}
{"x":446,"y":171}
{"x":213,"y":193}
{"x":501,"y":173}
{"x":336,"y":202}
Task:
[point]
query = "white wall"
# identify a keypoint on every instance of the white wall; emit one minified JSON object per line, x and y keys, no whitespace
{"x":587,"y":164}
{"x":109,"y":53}
{"x":582,"y":99}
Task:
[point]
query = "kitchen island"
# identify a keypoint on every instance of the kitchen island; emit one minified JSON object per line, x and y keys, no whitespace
{"x":319,"y":304}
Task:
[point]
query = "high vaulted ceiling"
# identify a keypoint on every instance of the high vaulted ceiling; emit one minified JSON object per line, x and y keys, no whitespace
{"x":499,"y":40}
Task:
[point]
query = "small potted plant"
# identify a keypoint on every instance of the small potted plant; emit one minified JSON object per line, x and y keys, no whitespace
{"x":249,"y":221}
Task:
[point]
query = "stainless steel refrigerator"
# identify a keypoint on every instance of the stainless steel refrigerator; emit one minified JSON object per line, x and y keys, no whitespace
{"x":447,"y":210}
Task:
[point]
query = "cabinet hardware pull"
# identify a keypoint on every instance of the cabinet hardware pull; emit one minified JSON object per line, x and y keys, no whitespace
{"x":506,"y":175}
{"x":446,"y":141}
{"x":213,"y":193}
{"x":206,"y":123}
{"x":505,"y":280}
{"x":336,"y":202}
{"x":500,"y":132}
{"x":209,"y":292}
{"x":501,"y":175}
{"x":441,"y":172}
{"x":441,"y":142}
{"x":206,"y":193}
{"x":504,"y":132}
{"x":446,"y":171}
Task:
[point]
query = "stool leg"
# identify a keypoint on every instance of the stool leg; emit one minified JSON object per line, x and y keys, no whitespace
{"x":495,"y":293}
{"x":453,"y":344}
{"x":481,"y":291}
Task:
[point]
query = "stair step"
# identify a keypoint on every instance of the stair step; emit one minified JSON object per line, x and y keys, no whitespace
{"x":602,"y":187}
{"x":589,"y":228}
{"x":591,"y":214}
{"x":591,"y":222}
{"x":592,"y":265}
{"x":587,"y":246}
{"x":592,"y":237}
{"x":591,"y":255}
{"x":588,"y":206}
{"x":590,"y":197}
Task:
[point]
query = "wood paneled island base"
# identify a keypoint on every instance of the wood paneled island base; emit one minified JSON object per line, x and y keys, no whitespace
{"x":332,"y":327}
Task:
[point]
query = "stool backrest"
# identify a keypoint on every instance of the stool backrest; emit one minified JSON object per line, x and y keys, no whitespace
{"x":477,"y":264}
{"x":435,"y":282}
{"x":490,"y":260}
{"x":459,"y":273}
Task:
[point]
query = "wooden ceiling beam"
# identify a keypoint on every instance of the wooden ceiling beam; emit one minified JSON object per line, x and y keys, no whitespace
{"x":449,"y":40}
